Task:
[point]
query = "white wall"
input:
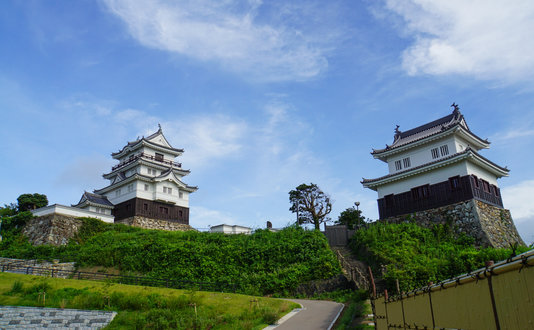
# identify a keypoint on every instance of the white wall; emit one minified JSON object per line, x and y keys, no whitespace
{"x":481,"y":173}
{"x":422,"y":154}
{"x":227,"y":229}
{"x":71,"y":211}
{"x":431,"y":177}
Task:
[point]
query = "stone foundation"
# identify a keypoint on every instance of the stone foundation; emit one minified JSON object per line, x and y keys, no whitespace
{"x":148,"y":223}
{"x":487,"y":224}
{"x":54,"y":229}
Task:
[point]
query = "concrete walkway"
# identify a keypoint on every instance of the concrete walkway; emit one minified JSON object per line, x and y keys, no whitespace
{"x":314,"y":315}
{"x":12,"y":317}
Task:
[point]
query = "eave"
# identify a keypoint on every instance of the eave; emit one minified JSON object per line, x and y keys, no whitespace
{"x":144,"y":143}
{"x":474,"y":141}
{"x":143,"y":161}
{"x":468,"y":154}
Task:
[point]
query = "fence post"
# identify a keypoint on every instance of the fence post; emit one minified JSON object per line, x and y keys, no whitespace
{"x":492,"y":296}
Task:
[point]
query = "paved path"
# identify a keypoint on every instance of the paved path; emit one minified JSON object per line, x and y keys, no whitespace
{"x":314,"y":315}
{"x":41,"y":318}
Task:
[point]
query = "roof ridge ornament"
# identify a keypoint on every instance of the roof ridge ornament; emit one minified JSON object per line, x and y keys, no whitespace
{"x":456,"y":110}
{"x":159,"y":127}
{"x":397,"y":132}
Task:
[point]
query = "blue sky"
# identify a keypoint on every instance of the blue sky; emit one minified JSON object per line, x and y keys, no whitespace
{"x":262,"y":96}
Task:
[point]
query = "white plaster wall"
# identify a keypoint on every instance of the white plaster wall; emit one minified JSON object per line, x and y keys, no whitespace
{"x":431,"y":177}
{"x":422,"y":154}
{"x":227,"y":229}
{"x":481,"y":173}
{"x":152,"y":152}
{"x":70,"y":211}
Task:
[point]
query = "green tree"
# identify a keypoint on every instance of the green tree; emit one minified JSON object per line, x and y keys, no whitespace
{"x":351,"y":217}
{"x":31,"y":201}
{"x":8,"y":210}
{"x":311,"y":204}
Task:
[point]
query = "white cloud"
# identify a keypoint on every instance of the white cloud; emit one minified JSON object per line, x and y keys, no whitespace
{"x":229,"y":33}
{"x":203,"y":217}
{"x":518,"y":198}
{"x":481,"y":38}
{"x":207,"y":137}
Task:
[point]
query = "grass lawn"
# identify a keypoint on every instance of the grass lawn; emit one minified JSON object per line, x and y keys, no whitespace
{"x":141,"y":307}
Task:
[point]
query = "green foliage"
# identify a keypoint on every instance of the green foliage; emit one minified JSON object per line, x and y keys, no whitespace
{"x":351,"y":217}
{"x":8,"y":210}
{"x":415,"y":255}
{"x":146,"y":308}
{"x":28,"y":202}
{"x":311,"y":204}
{"x":261,"y":263}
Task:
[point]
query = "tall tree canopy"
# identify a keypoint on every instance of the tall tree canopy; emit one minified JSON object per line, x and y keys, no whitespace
{"x":311,"y":204}
{"x":351,"y":217}
{"x":31,"y":201}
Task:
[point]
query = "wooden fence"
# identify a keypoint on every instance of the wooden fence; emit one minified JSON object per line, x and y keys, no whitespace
{"x":122,"y":279}
{"x":500,"y":296}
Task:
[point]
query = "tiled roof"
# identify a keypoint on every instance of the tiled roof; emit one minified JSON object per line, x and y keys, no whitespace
{"x":95,"y":198}
{"x":146,"y":139}
{"x":467,"y":150}
{"x":437,"y":126}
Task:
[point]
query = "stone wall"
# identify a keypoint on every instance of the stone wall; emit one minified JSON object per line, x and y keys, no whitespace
{"x":148,"y":223}
{"x":487,"y":224}
{"x":54,"y":229}
{"x":37,"y":267}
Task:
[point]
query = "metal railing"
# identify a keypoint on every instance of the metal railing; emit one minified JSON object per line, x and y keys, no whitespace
{"x":121,"y":279}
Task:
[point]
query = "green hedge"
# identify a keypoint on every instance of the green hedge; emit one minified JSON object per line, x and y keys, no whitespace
{"x":261,"y":263}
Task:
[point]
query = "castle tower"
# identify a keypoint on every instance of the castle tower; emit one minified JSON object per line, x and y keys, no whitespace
{"x":437,"y":174}
{"x":147,"y":182}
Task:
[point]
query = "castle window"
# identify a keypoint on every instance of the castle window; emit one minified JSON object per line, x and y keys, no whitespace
{"x":495,"y":190}
{"x":159,"y":157}
{"x":180,"y":213}
{"x":167,"y":190}
{"x":146,"y":187}
{"x":485,"y":186}
{"x":475,"y":180}
{"x":444,"y":150}
{"x":130,"y":187}
{"x":398,"y":165}
{"x":420,"y":192}
{"x":145,"y":206}
{"x":163,"y":210}
{"x":181,"y":194}
{"x":117,"y":192}
{"x":406,"y":162}
{"x":454,"y":182}
{"x":435,"y":153}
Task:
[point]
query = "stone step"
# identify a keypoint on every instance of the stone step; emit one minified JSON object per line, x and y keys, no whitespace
{"x":13,"y":317}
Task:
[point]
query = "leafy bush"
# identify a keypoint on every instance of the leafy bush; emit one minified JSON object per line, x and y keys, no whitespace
{"x":261,"y":263}
{"x":415,"y":255}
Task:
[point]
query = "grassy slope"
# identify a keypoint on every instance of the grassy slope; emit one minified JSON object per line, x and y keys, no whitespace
{"x":261,"y":263}
{"x":415,"y":255}
{"x":145,"y":307}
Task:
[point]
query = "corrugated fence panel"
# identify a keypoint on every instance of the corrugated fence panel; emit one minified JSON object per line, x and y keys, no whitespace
{"x":466,"y":306}
{"x":417,"y":311}
{"x":380,"y":314}
{"x":514,"y":296}
{"x":395,"y":313}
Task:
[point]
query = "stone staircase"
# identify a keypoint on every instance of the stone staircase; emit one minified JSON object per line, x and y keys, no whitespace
{"x":12,"y":317}
{"x":355,"y":270}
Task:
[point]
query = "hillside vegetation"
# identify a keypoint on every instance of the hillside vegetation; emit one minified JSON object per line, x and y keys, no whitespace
{"x":415,"y":255}
{"x":261,"y":263}
{"x":145,"y":308}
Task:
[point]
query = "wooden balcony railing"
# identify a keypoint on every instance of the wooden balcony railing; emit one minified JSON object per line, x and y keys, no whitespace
{"x":150,"y":157}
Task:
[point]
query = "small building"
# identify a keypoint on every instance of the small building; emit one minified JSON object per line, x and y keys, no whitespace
{"x":434,"y":170}
{"x":229,"y":229}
